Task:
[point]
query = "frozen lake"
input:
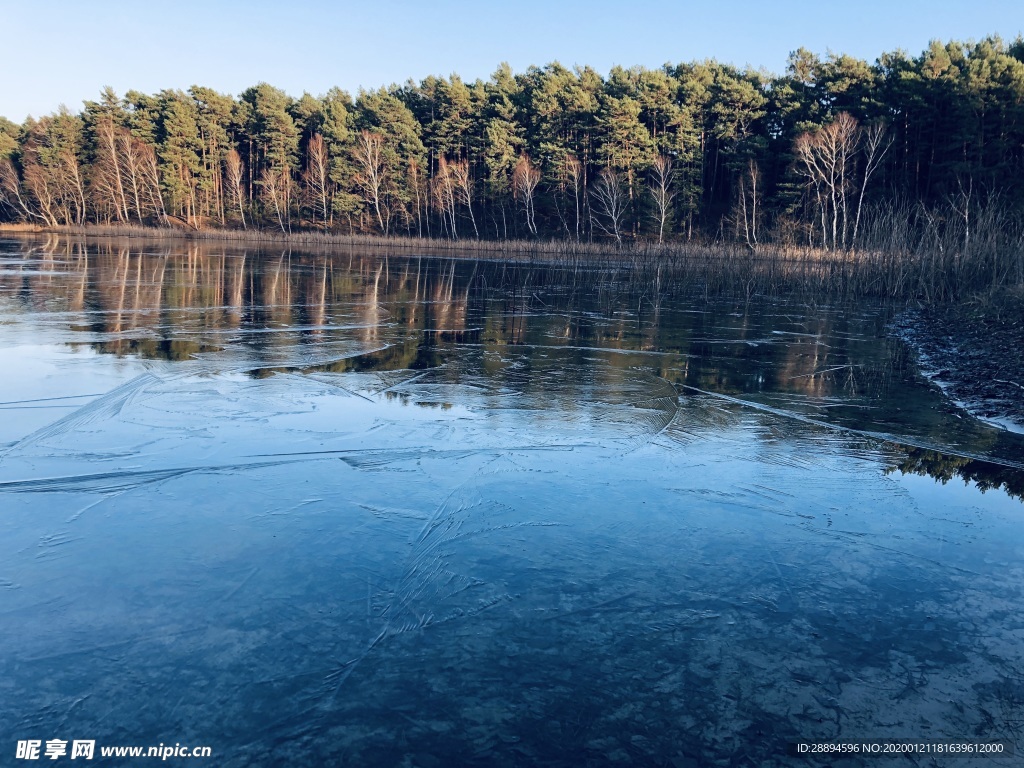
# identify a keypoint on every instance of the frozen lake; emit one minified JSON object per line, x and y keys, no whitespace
{"x":354,"y":509}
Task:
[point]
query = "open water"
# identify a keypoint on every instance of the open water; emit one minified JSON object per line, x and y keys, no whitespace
{"x":369,"y":508}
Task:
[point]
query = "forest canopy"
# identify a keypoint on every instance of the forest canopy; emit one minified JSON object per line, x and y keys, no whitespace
{"x":700,"y":150}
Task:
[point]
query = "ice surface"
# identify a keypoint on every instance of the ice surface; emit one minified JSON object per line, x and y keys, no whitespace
{"x":313,"y":509}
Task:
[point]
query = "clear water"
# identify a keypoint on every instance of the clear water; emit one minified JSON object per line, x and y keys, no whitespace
{"x":372,"y":509}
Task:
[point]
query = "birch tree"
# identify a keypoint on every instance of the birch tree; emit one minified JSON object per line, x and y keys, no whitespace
{"x":662,"y":189}
{"x":276,"y":189}
{"x":465,"y":189}
{"x":826,"y":158}
{"x":525,"y":178}
{"x":444,"y":191}
{"x":318,"y":179}
{"x":234,"y":175}
{"x":876,"y":141}
{"x":609,"y":202}
{"x":372,"y":172}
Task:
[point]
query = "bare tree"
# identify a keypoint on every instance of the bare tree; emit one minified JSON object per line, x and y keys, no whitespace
{"x":131,"y":168}
{"x":875,"y":146}
{"x":372,"y":176}
{"x":662,"y":188}
{"x":234,"y":171}
{"x":609,"y":202}
{"x":318,"y":179}
{"x":827,"y":156}
{"x":108,"y":167}
{"x":72,"y":175}
{"x":576,"y":179}
{"x":750,"y":197}
{"x":276,"y":190}
{"x":10,"y":191}
{"x":52,"y":178}
{"x":525,"y":178}
{"x":151,"y":175}
{"x":41,"y":183}
{"x":464,"y":187}
{"x":133,"y":157}
{"x":443,"y":185}
{"x":416,"y":184}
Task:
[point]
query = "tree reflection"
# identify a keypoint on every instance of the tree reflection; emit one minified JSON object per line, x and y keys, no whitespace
{"x":544,"y":331}
{"x":944,"y":467}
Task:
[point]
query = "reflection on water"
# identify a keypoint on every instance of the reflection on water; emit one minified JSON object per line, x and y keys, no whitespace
{"x":944,"y":467}
{"x":390,"y":510}
{"x":265,"y":313}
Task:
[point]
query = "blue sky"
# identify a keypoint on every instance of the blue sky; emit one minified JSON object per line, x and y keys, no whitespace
{"x":64,"y":52}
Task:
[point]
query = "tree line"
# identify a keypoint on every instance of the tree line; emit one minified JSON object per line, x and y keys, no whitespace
{"x":700,"y":150}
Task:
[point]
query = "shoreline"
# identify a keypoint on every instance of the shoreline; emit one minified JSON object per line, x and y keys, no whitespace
{"x":322,"y":239}
{"x":974,"y":352}
{"x":508,"y":248}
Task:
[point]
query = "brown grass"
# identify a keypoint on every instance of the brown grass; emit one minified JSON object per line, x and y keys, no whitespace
{"x":908,"y":253}
{"x":20,"y":227}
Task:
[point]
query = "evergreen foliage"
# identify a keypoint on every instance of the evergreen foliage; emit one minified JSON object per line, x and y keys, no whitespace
{"x":699,"y":150}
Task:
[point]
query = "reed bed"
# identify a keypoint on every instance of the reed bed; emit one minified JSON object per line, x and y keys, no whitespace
{"x":906,"y":252}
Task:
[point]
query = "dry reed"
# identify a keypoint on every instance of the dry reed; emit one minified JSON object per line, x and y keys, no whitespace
{"x":906,"y":252}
